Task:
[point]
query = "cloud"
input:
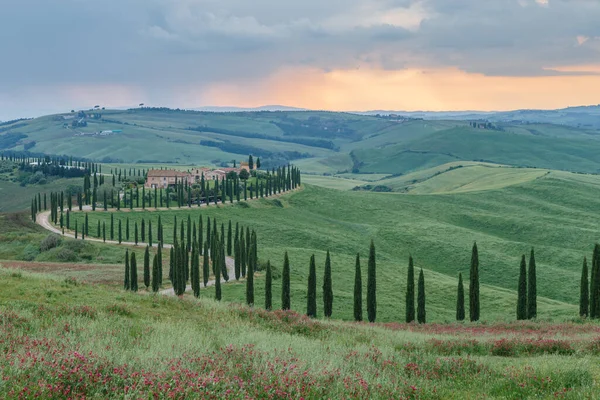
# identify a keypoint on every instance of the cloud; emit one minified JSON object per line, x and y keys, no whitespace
{"x":157,"y":48}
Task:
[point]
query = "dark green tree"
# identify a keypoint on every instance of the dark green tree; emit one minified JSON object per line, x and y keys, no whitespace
{"x":195,"y":275}
{"x":229,"y":239}
{"x":135,"y":233}
{"x":285,"y":284}
{"x":268,"y":287}
{"x":474,"y":285}
{"x":460,"y":300}
{"x":421,"y":314}
{"x":584,"y":298}
{"x":531,"y":288}
{"x":357,"y":290}
{"x":410,"y":292}
{"x":522,"y":291}
{"x":120,"y":232}
{"x":311,"y":297}
{"x":236,"y":260}
{"x":127,"y":279}
{"x":250,"y":278}
{"x":155,"y":274}
{"x":147,"y":267}
{"x":372,"y":285}
{"x":205,"y":265}
{"x":217,"y":267}
{"x":134,"y":277}
{"x":327,"y":288}
{"x":594,"y":284}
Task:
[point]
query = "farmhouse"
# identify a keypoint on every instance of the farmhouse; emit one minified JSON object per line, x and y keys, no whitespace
{"x":163,"y":178}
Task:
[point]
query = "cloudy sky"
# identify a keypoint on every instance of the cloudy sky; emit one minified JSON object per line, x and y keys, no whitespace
{"x":333,"y":54}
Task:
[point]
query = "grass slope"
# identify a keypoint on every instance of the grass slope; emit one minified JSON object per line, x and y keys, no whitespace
{"x":61,"y":338}
{"x":556,"y":214}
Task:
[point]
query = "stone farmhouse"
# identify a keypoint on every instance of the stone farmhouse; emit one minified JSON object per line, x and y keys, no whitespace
{"x":163,"y":178}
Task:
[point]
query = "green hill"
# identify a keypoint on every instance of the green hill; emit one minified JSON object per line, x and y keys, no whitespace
{"x":319,"y":142}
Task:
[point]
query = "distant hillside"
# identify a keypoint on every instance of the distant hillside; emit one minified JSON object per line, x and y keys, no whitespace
{"x":320,"y":142}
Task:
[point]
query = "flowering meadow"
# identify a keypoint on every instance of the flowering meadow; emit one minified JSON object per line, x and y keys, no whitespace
{"x":66,"y":339}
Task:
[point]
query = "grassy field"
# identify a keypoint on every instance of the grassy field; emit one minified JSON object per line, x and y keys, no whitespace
{"x":14,"y":197}
{"x":62,"y":338}
{"x":555,"y":213}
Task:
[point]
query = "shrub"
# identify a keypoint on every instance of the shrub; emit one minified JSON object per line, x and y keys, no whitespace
{"x":65,"y":255}
{"x":51,"y":241}
{"x":30,"y":252}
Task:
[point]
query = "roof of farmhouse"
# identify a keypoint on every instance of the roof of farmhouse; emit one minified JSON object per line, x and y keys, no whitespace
{"x":169,"y":173}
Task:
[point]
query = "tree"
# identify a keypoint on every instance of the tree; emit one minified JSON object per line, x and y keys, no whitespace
{"x":195,"y":275}
{"x":357,"y":290}
{"x":268,"y":288}
{"x":474,"y":285}
{"x":236,"y":260}
{"x":421,"y":314}
{"x":147,"y":267}
{"x":522,"y":291}
{"x":250,"y":162}
{"x":229,"y":239}
{"x":327,"y":288}
{"x":460,"y":300}
{"x":133,"y":269}
{"x":311,"y":297}
{"x":126,"y":281}
{"x":155,"y":274}
{"x":531,"y":288}
{"x":217,"y":266}
{"x":257,"y":162}
{"x":285,"y":283}
{"x":135,"y":233}
{"x":244,"y":175}
{"x":594,"y":284}
{"x":410,"y":292}
{"x":250,"y":278}
{"x":205,"y":266}
{"x":372,"y":285}
{"x":584,"y":291}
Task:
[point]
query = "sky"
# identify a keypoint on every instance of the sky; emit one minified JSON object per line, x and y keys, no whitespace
{"x":350,"y":55}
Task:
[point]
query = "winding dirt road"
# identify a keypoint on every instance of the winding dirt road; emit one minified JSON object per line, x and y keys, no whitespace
{"x":43,"y":219}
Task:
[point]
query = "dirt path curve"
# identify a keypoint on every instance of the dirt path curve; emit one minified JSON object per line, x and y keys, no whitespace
{"x":43,"y":219}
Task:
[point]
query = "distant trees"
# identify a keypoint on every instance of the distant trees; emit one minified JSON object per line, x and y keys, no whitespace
{"x":474,"y":285}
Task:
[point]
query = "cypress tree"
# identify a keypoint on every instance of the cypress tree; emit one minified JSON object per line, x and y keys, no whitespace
{"x":126,"y":285}
{"x":474,"y":285}
{"x":250,"y":279}
{"x":99,"y":231}
{"x":311,"y":297}
{"x":205,"y":266}
{"x":135,"y":233}
{"x":327,"y":288}
{"x":189,"y":234}
{"x":243,"y":254}
{"x":532,"y":288}
{"x":421,"y":314}
{"x":522,"y":291}
{"x":134,"y":280}
{"x":87,"y":225}
{"x":236,"y":260}
{"x":147,"y":267}
{"x":120,"y":232}
{"x":155,"y":274}
{"x":104,"y":231}
{"x":112,"y":226}
{"x":127,"y":229}
{"x":229,"y":239}
{"x":150,"y":233}
{"x":159,"y":262}
{"x":217,"y":267}
{"x":268,"y":288}
{"x":584,"y":291}
{"x":372,"y":285}
{"x":172,"y":266}
{"x":460,"y":300}
{"x":594,"y":284}
{"x":357,"y":290}
{"x":143,"y":230}
{"x":195,"y":272}
{"x":410,"y":292}
{"x":285,"y":284}
{"x":208,"y":241}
